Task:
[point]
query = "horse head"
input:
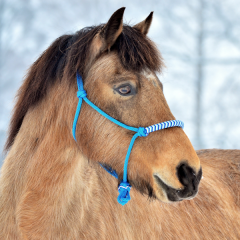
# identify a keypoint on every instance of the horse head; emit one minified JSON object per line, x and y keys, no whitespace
{"x":120,"y":77}
{"x":119,"y":66}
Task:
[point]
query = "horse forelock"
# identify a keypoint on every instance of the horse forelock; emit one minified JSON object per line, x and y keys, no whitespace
{"x":68,"y":54}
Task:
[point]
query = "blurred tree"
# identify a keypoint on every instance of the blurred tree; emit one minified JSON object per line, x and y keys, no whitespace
{"x":200,"y":41}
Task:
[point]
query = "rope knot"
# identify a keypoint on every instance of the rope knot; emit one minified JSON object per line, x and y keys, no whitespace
{"x":81,"y":94}
{"x":142,"y":132}
{"x":124,"y":193}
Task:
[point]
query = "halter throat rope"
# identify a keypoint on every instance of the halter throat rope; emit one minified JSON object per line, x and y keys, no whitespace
{"x":124,"y":187}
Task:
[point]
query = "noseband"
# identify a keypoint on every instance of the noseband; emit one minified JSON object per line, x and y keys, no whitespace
{"x":124,"y":187}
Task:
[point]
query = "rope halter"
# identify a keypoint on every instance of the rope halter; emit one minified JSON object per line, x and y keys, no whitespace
{"x":124,"y":187}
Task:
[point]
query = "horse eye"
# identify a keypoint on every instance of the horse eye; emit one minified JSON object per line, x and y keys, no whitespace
{"x":124,"y":90}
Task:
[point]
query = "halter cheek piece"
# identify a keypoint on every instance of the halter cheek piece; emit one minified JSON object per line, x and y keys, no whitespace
{"x":124,"y":187}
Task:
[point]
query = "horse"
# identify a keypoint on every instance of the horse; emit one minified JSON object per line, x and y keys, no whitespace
{"x":55,"y":187}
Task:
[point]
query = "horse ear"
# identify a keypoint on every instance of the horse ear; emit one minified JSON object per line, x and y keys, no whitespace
{"x":144,"y":26}
{"x":113,"y":28}
{"x":107,"y":36}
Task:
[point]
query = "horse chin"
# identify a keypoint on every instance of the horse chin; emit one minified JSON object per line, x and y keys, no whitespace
{"x":144,"y":186}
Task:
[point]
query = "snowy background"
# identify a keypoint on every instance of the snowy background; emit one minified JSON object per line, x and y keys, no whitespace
{"x":199,"y":40}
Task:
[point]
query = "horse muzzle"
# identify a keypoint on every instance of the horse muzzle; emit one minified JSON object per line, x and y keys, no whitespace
{"x":188,"y":178}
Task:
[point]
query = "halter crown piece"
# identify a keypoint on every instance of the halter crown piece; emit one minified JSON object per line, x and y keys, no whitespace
{"x":124,"y":187}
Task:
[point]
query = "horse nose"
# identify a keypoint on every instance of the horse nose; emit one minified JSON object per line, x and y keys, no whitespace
{"x":189,"y":179}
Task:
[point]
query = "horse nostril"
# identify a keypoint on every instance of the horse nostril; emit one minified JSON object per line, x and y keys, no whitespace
{"x":185,"y":174}
{"x":189,"y":179}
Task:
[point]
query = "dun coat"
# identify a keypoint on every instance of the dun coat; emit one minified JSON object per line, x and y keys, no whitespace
{"x":53,"y":187}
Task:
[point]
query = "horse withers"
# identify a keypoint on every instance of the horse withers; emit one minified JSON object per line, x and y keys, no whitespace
{"x":53,"y":187}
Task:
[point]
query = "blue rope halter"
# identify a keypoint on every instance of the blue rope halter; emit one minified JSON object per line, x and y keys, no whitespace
{"x":124,"y":187}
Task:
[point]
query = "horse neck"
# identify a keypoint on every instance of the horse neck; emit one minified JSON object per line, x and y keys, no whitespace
{"x":47,"y":168}
{"x":44,"y":156}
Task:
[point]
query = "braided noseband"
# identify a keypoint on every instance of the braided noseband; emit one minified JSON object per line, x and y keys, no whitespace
{"x":124,"y":187}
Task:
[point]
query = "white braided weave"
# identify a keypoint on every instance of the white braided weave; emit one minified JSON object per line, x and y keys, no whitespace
{"x":163,"y":125}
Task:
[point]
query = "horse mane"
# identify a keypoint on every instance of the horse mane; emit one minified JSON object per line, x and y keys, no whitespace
{"x":66,"y":55}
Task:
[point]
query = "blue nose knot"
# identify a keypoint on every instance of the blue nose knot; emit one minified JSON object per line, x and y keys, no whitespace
{"x":142,"y":132}
{"x":124,"y":193}
{"x":81,"y":94}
